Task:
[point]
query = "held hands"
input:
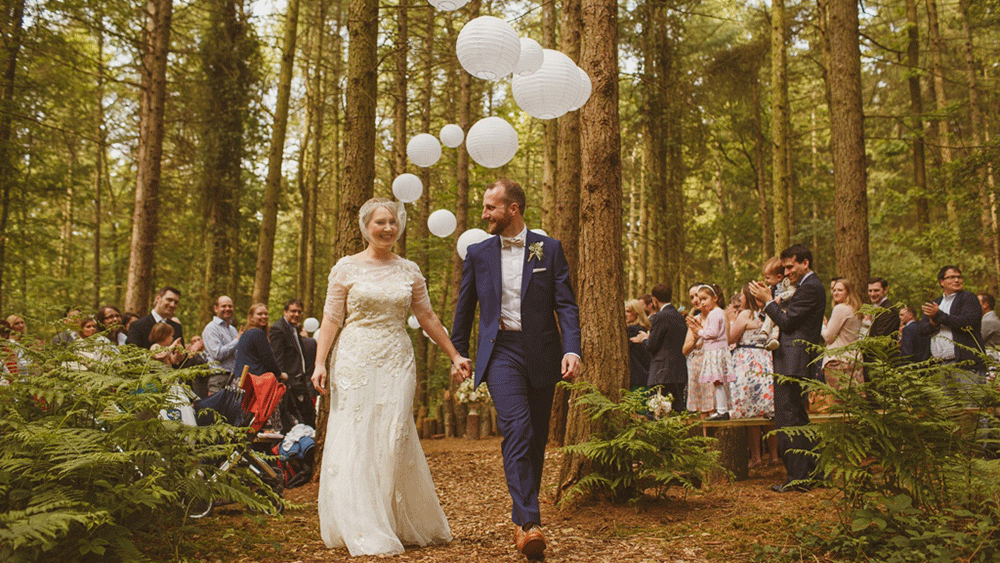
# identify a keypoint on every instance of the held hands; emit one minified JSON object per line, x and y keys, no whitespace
{"x":640,"y":338}
{"x":461,"y":369}
{"x":571,"y":367}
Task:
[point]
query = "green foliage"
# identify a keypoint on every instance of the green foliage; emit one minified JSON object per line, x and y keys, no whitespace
{"x":86,"y":461}
{"x":632,"y":454}
{"x":912,"y":463}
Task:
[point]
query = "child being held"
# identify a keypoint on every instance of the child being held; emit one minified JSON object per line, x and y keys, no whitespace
{"x":781,"y":290}
{"x":162,"y":337}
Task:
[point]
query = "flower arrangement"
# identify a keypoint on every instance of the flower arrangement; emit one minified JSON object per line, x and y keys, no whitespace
{"x":466,"y":394}
{"x":535,"y":250}
{"x":659,"y":405}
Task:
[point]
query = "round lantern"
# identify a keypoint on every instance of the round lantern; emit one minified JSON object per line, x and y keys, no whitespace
{"x":551,"y":90}
{"x":540,"y":232}
{"x":488,"y":48}
{"x":423,"y":150}
{"x":467,"y":239}
{"x":452,"y":135}
{"x":531,"y":57}
{"x":585,"y":90}
{"x":412,"y":322}
{"x":491,"y":142}
{"x":311,"y":325}
{"x":442,"y":223}
{"x":407,"y":188}
{"x":448,"y":5}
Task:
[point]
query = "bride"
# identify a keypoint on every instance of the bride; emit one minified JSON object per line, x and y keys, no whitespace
{"x":376,"y":493}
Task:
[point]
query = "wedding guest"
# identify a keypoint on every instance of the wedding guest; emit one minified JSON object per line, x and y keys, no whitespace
{"x":844,"y":327}
{"x":711,"y":328}
{"x":109,"y":321}
{"x":71,"y":320}
{"x":253,"y":349}
{"x":636,"y":323}
{"x":700,"y":396}
{"x":17,"y":328}
{"x":953,"y":323}
{"x":87,"y":328}
{"x":913,"y":347}
{"x":665,"y":342}
{"x":753,"y":391}
{"x":127,"y":320}
{"x":989,"y":329}
{"x":162,"y":344}
{"x":647,"y":304}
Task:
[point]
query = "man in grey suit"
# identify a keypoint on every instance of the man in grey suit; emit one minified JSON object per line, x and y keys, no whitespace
{"x":990,"y":325}
{"x":800,"y":320}
{"x":667,"y":366}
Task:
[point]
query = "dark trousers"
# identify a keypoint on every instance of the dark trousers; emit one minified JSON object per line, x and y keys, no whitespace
{"x":679,"y":404}
{"x":523,"y":420}
{"x":790,"y":410}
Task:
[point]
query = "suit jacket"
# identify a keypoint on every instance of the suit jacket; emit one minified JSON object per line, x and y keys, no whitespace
{"x":666,"y":343}
{"x":287,"y":346}
{"x":138,"y":331}
{"x":546,"y":294}
{"x":886,"y":322}
{"x":913,"y":347}
{"x":964,"y":320}
{"x":990,"y":330}
{"x":638,"y":358}
{"x":801,"y":323}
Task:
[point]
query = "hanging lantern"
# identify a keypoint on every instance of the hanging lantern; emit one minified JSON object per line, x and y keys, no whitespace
{"x":412,"y":322}
{"x":540,"y":232}
{"x":311,"y":325}
{"x":531,"y":57}
{"x":467,"y":239}
{"x":407,"y":188}
{"x":452,"y":135}
{"x":442,"y":223}
{"x":423,"y":150}
{"x":448,"y":5}
{"x":491,"y":142}
{"x":488,"y":48}
{"x":585,"y":90}
{"x":551,"y":90}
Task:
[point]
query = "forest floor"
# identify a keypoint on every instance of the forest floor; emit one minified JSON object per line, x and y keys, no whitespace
{"x":721,"y":522}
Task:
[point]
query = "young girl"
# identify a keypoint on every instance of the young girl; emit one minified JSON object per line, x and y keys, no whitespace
{"x":162,"y":337}
{"x":713,"y":330}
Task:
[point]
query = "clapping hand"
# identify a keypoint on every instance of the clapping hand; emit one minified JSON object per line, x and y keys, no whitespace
{"x":930,"y":309}
{"x":760,"y":292}
{"x":640,"y":337}
{"x":694,"y":323}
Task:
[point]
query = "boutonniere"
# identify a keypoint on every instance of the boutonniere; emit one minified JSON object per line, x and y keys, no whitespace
{"x":535,"y":250}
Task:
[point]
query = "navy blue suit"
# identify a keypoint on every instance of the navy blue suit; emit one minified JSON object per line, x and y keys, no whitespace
{"x":520,"y":368}
{"x":913,"y":347}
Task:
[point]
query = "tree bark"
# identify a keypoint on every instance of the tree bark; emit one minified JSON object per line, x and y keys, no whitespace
{"x":601,"y":286}
{"x":847,"y":140}
{"x":916,"y":112}
{"x":939,"y":125}
{"x":145,"y":226}
{"x":424,"y":351}
{"x":272,"y":186}
{"x":12,"y":37}
{"x":780,"y":172}
{"x":767,"y":233}
{"x":99,"y":158}
{"x":310,"y":212}
{"x":550,"y":146}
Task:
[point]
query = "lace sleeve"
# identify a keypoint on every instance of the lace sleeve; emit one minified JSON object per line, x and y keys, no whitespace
{"x":420,"y":301}
{"x":336,"y":295}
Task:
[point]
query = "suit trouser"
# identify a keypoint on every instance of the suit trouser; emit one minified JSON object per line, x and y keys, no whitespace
{"x":523,"y":420}
{"x":790,"y":410}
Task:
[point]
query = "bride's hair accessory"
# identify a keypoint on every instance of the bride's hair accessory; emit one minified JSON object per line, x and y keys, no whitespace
{"x":368,"y":209}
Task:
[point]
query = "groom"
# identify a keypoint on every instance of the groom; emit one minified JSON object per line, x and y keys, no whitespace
{"x":521,"y":281}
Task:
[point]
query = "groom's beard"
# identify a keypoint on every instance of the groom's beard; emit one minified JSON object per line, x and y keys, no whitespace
{"x":500,"y":225}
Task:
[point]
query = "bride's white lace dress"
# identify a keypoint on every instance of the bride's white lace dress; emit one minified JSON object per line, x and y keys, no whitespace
{"x":376,"y":493}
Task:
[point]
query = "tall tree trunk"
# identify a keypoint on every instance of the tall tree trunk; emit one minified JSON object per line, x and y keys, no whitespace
{"x":916,"y":113}
{"x":780,"y":172}
{"x":309,"y":212}
{"x":601,"y":291}
{"x":422,"y":233}
{"x":550,"y":130}
{"x":462,"y":169}
{"x":12,"y":34}
{"x":847,"y":140}
{"x":644,"y":230}
{"x":99,"y":158}
{"x":401,"y":97}
{"x":940,"y":123}
{"x":358,"y":175}
{"x":145,"y":226}
{"x":767,"y":233}
{"x":272,"y":187}
{"x":988,"y":227}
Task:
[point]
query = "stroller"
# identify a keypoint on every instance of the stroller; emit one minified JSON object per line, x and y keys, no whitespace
{"x":251,"y":404}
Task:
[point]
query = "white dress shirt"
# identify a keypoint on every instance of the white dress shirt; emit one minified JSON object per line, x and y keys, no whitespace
{"x":221,"y":339}
{"x":511,"y":271}
{"x":943,"y":344}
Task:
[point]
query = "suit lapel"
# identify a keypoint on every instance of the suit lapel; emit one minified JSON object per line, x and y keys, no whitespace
{"x":493,"y":265}
{"x":526,"y":272}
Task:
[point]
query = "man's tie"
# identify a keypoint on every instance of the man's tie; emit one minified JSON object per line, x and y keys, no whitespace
{"x":512,"y":241}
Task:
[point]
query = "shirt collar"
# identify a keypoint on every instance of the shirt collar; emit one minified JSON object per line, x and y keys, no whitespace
{"x":156,"y":316}
{"x":216,"y":319}
{"x":809,"y":273}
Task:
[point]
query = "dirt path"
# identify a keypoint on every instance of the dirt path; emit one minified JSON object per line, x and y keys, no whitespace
{"x":720,"y":523}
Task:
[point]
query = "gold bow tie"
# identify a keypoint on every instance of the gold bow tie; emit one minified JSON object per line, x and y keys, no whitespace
{"x":509,"y":242}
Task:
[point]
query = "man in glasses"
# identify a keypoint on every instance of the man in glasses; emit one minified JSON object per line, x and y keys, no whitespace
{"x":953,"y":321}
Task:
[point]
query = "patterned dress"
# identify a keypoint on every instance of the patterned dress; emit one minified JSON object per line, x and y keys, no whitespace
{"x":753,"y":391}
{"x":701,"y":396}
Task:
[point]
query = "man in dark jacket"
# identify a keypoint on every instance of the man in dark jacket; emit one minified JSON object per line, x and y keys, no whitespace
{"x":667,"y":365}
{"x":885,"y":322}
{"x":952,"y":322}
{"x":286,"y":341}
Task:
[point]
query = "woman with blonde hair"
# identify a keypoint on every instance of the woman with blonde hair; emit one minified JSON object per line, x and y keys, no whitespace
{"x":843,"y":328}
{"x":254,"y":350}
{"x":636,"y":322}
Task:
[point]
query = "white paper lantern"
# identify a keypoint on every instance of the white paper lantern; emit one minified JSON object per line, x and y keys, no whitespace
{"x":585,"y":90}
{"x":311,"y":325}
{"x":423,"y":150}
{"x":452,"y":135}
{"x":540,"y":232}
{"x":407,"y":188}
{"x":412,"y":322}
{"x":467,"y":239}
{"x":491,"y":142}
{"x":448,"y":5}
{"x":488,"y":48}
{"x":531,"y":57}
{"x":442,"y":223}
{"x":551,"y":90}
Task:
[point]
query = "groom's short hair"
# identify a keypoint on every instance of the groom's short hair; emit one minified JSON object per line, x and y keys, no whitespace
{"x":512,"y":193}
{"x":662,"y":293}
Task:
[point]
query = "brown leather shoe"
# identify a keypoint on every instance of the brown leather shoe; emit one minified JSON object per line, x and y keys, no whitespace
{"x":530,"y":543}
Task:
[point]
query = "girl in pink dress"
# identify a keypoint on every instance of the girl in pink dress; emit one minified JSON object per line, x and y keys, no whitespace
{"x":716,"y":365}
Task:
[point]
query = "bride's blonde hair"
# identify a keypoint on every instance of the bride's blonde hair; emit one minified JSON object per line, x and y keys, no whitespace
{"x":368,"y":209}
